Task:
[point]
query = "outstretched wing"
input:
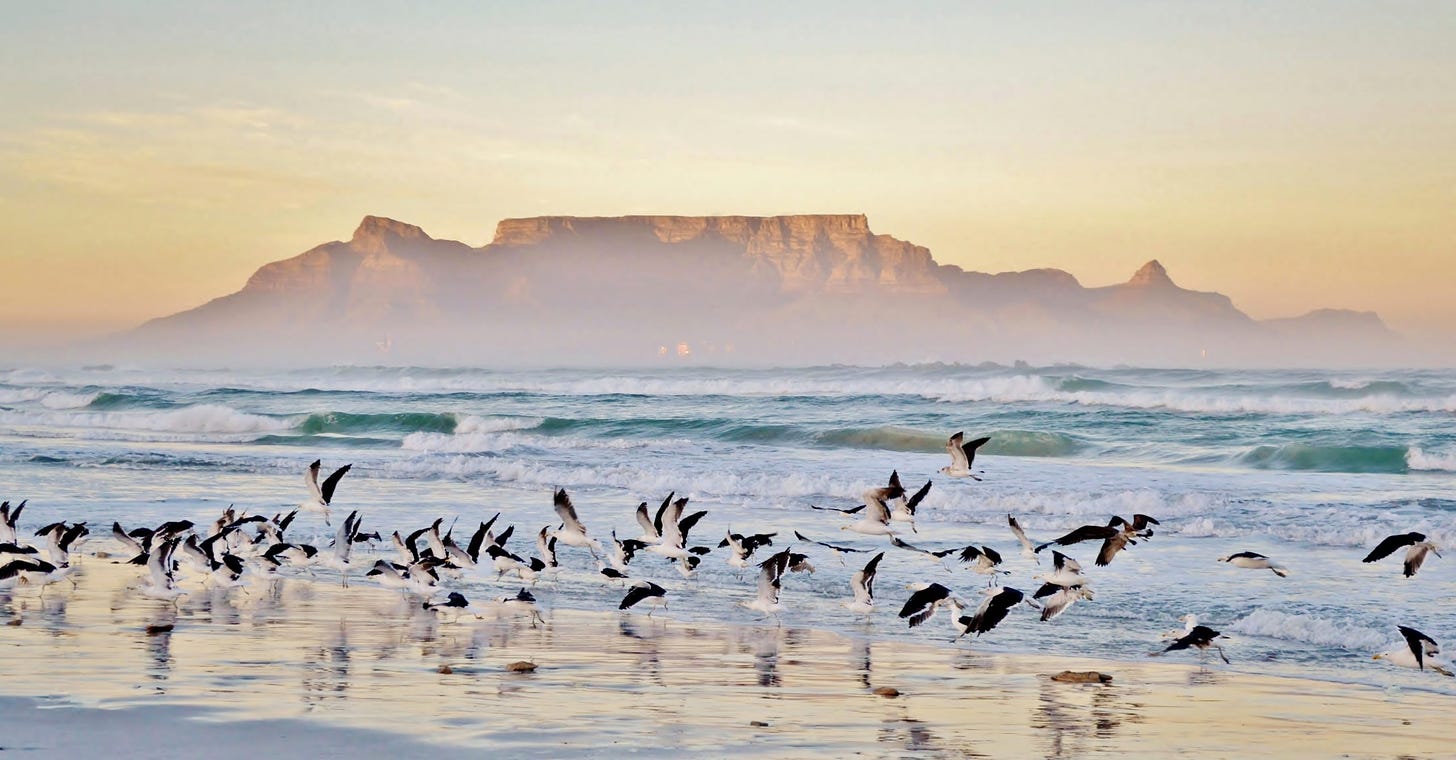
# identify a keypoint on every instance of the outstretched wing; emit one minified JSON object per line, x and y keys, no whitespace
{"x":917,"y":497}
{"x":958,"y":459}
{"x":1390,"y":544}
{"x":332,"y":482}
{"x":1020,"y":534}
{"x":970,"y":450}
{"x":566,"y":511}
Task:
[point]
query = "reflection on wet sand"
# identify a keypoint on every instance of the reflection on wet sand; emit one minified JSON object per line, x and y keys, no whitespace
{"x":365,"y":657}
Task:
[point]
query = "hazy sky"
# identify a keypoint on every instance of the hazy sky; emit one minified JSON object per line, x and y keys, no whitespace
{"x":1291,"y":155}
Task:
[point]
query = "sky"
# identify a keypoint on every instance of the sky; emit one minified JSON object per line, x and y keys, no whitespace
{"x":1290,"y":155}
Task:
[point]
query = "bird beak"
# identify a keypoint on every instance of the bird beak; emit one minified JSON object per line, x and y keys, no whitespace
{"x":1376,"y":657}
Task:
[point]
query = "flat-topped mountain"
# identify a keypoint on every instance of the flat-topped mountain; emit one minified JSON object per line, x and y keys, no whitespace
{"x":780,"y":289}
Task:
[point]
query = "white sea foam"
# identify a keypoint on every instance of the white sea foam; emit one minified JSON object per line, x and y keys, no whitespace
{"x":1417,"y":458}
{"x":198,"y":419}
{"x":64,"y":400}
{"x":1310,"y":629}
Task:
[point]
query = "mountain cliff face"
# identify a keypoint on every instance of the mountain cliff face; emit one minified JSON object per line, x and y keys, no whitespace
{"x":784,"y":289}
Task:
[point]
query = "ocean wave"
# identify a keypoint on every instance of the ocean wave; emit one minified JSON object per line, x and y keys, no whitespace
{"x":1417,"y":458}
{"x":1310,"y":629}
{"x":50,"y":399}
{"x":353,"y":422}
{"x":1299,"y":456}
{"x":198,"y":419}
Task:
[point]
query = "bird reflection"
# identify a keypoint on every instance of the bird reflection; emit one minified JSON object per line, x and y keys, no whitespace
{"x":326,"y":670}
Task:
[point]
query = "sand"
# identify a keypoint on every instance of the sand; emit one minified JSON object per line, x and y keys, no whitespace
{"x":303,"y":667}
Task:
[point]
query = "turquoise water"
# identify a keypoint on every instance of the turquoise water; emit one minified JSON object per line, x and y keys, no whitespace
{"x":1310,"y":467}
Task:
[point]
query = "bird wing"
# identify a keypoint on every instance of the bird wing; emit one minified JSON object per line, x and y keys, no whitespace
{"x":159,"y":565}
{"x":768,"y":580}
{"x":969,"y":449}
{"x":1020,"y":534}
{"x":1086,"y":533}
{"x":1057,"y":602}
{"x":835,"y":547}
{"x":686,"y":524}
{"x":958,"y":460}
{"x":1414,"y":557}
{"x":969,"y":553}
{"x":1110,"y":547}
{"x":130,"y":543}
{"x":1063,"y":562}
{"x":566,"y":511}
{"x":875,"y":503}
{"x":657,"y":522}
{"x":917,"y":497}
{"x":837,"y":509}
{"x":899,"y":544}
{"x":635,"y":595}
{"x":645,"y":520}
{"x":327,"y":490}
{"x":921,"y":604}
{"x":1389,"y":545}
{"x":310,"y":478}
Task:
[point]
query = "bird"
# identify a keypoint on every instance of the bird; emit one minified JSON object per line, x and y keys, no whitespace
{"x":770,"y":580}
{"x":937,"y":556}
{"x":546,"y":545}
{"x":1056,"y":599}
{"x":1414,"y":556}
{"x":876,"y":521}
{"x":987,"y":560}
{"x":454,"y":602}
{"x":1189,"y":621}
{"x":320,"y":496}
{"x":1419,"y":651}
{"x":675,"y":530}
{"x":645,"y":591}
{"x":571,"y":532}
{"x":160,"y":583}
{"x":901,"y":508}
{"x":1028,"y":550}
{"x":1202,"y":638}
{"x":343,"y":546}
{"x":1065,"y":572}
{"x":838,"y":549}
{"x":8,"y":517}
{"x":741,"y":547}
{"x":862,"y":584}
{"x":962,"y":456}
{"x":993,"y":609}
{"x":1115,"y":535}
{"x":1253,"y":561}
{"x":922,"y":604}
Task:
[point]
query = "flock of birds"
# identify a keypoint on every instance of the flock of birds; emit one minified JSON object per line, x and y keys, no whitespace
{"x":235,"y":547}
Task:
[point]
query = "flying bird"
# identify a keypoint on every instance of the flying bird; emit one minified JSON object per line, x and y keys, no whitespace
{"x":1419,"y":650}
{"x":962,"y":456}
{"x":1254,"y":561}
{"x":876,"y":521}
{"x":321,"y":496}
{"x":1201,"y":638}
{"x":645,"y":591}
{"x":1415,"y":556}
{"x":1028,"y":550}
{"x":862,"y":583}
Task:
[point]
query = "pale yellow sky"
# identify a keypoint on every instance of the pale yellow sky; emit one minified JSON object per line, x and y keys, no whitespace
{"x":1292,"y":158}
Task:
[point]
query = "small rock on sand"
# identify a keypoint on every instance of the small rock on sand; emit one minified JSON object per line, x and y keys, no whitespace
{"x":758,"y":724}
{"x":887,"y":691}
{"x":521,"y":666}
{"x":1082,"y":676}
{"x":444,"y":670}
{"x":153,"y":630}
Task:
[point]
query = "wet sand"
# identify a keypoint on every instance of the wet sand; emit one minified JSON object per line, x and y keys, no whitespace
{"x":360,"y":670}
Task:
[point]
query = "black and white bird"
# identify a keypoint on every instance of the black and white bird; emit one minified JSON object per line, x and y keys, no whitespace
{"x":454,"y":605}
{"x":1115,"y":535}
{"x":937,"y":556}
{"x":1201,"y":638}
{"x":1055,"y":599}
{"x":983,"y":560}
{"x":997,"y":604}
{"x":675,"y":530}
{"x":962,"y":456}
{"x":646,"y":592}
{"x":1065,"y":572}
{"x":8,"y":517}
{"x":876,"y":520}
{"x":770,"y":580}
{"x":741,"y":547}
{"x":160,"y":582}
{"x":1255,"y":561}
{"x":922,"y":604}
{"x":903,"y":509}
{"x":320,"y":496}
{"x":1415,"y":556}
{"x":339,"y":558}
{"x":572,"y":532}
{"x":862,"y":584}
{"x":838,"y":549}
{"x":1418,"y":652}
{"x":1028,"y":550}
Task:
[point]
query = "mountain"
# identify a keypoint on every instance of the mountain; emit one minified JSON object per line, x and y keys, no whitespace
{"x":781,"y":289}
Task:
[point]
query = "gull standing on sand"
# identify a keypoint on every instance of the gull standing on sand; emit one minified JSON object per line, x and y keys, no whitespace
{"x":320,"y":496}
{"x":962,"y":456}
{"x":1414,"y":556}
{"x":1255,"y":561}
{"x":862,"y":583}
{"x":1419,"y":651}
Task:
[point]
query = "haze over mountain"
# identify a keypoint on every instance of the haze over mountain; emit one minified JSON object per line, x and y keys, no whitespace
{"x":798,"y":289}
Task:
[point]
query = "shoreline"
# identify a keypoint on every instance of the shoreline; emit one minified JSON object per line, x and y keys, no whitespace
{"x":325,"y":660}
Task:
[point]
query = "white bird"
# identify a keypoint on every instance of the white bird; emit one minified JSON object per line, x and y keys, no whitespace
{"x":675,"y":529}
{"x":546,"y":547}
{"x":320,"y":496}
{"x":876,"y":520}
{"x":8,"y":518}
{"x":862,"y":583}
{"x":1189,"y":621}
{"x":1419,"y":651}
{"x":343,"y":548}
{"x":572,"y":532}
{"x":997,"y":604}
{"x":922,"y":604}
{"x":160,"y":583}
{"x":1253,"y":561}
{"x":1065,"y":572}
{"x":1028,"y":549}
{"x":962,"y":456}
{"x":741,"y":547}
{"x":770,"y":580}
{"x":901,"y":508}
{"x":1056,"y":599}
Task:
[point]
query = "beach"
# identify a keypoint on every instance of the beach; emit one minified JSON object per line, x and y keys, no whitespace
{"x":303,"y":666}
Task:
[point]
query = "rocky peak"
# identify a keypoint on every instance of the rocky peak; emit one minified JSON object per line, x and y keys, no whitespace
{"x":375,"y":233}
{"x":1151,"y":274}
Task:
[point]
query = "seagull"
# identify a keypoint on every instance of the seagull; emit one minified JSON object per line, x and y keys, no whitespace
{"x":1201,"y":637}
{"x":838,"y":550}
{"x":675,"y":529}
{"x":546,"y":546}
{"x":876,"y":521}
{"x":398,"y":577}
{"x":622,"y":553}
{"x":572,"y":532}
{"x":455,"y":602}
{"x":652,"y":529}
{"x":862,"y":583}
{"x":523,"y":603}
{"x":904,"y":509}
{"x":1056,"y":599}
{"x":8,"y":518}
{"x":645,"y":591}
{"x":506,"y":562}
{"x":962,"y":455}
{"x":160,"y":582}
{"x":343,"y":544}
{"x":987,"y":560}
{"x":319,"y":496}
{"x":1065,"y":572}
{"x":993,"y":610}
{"x":934,"y":556}
{"x":1414,"y":556}
{"x":922,"y":604}
{"x":1027,"y":549}
{"x":20,"y":571}
{"x":1189,"y":621}
{"x":1419,"y":650}
{"x":1115,"y":535}
{"x":742,"y":547}
{"x":770,"y":580}
{"x":1253,"y":561}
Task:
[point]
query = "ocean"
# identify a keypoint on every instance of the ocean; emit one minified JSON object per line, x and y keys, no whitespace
{"x":1310,"y":467}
